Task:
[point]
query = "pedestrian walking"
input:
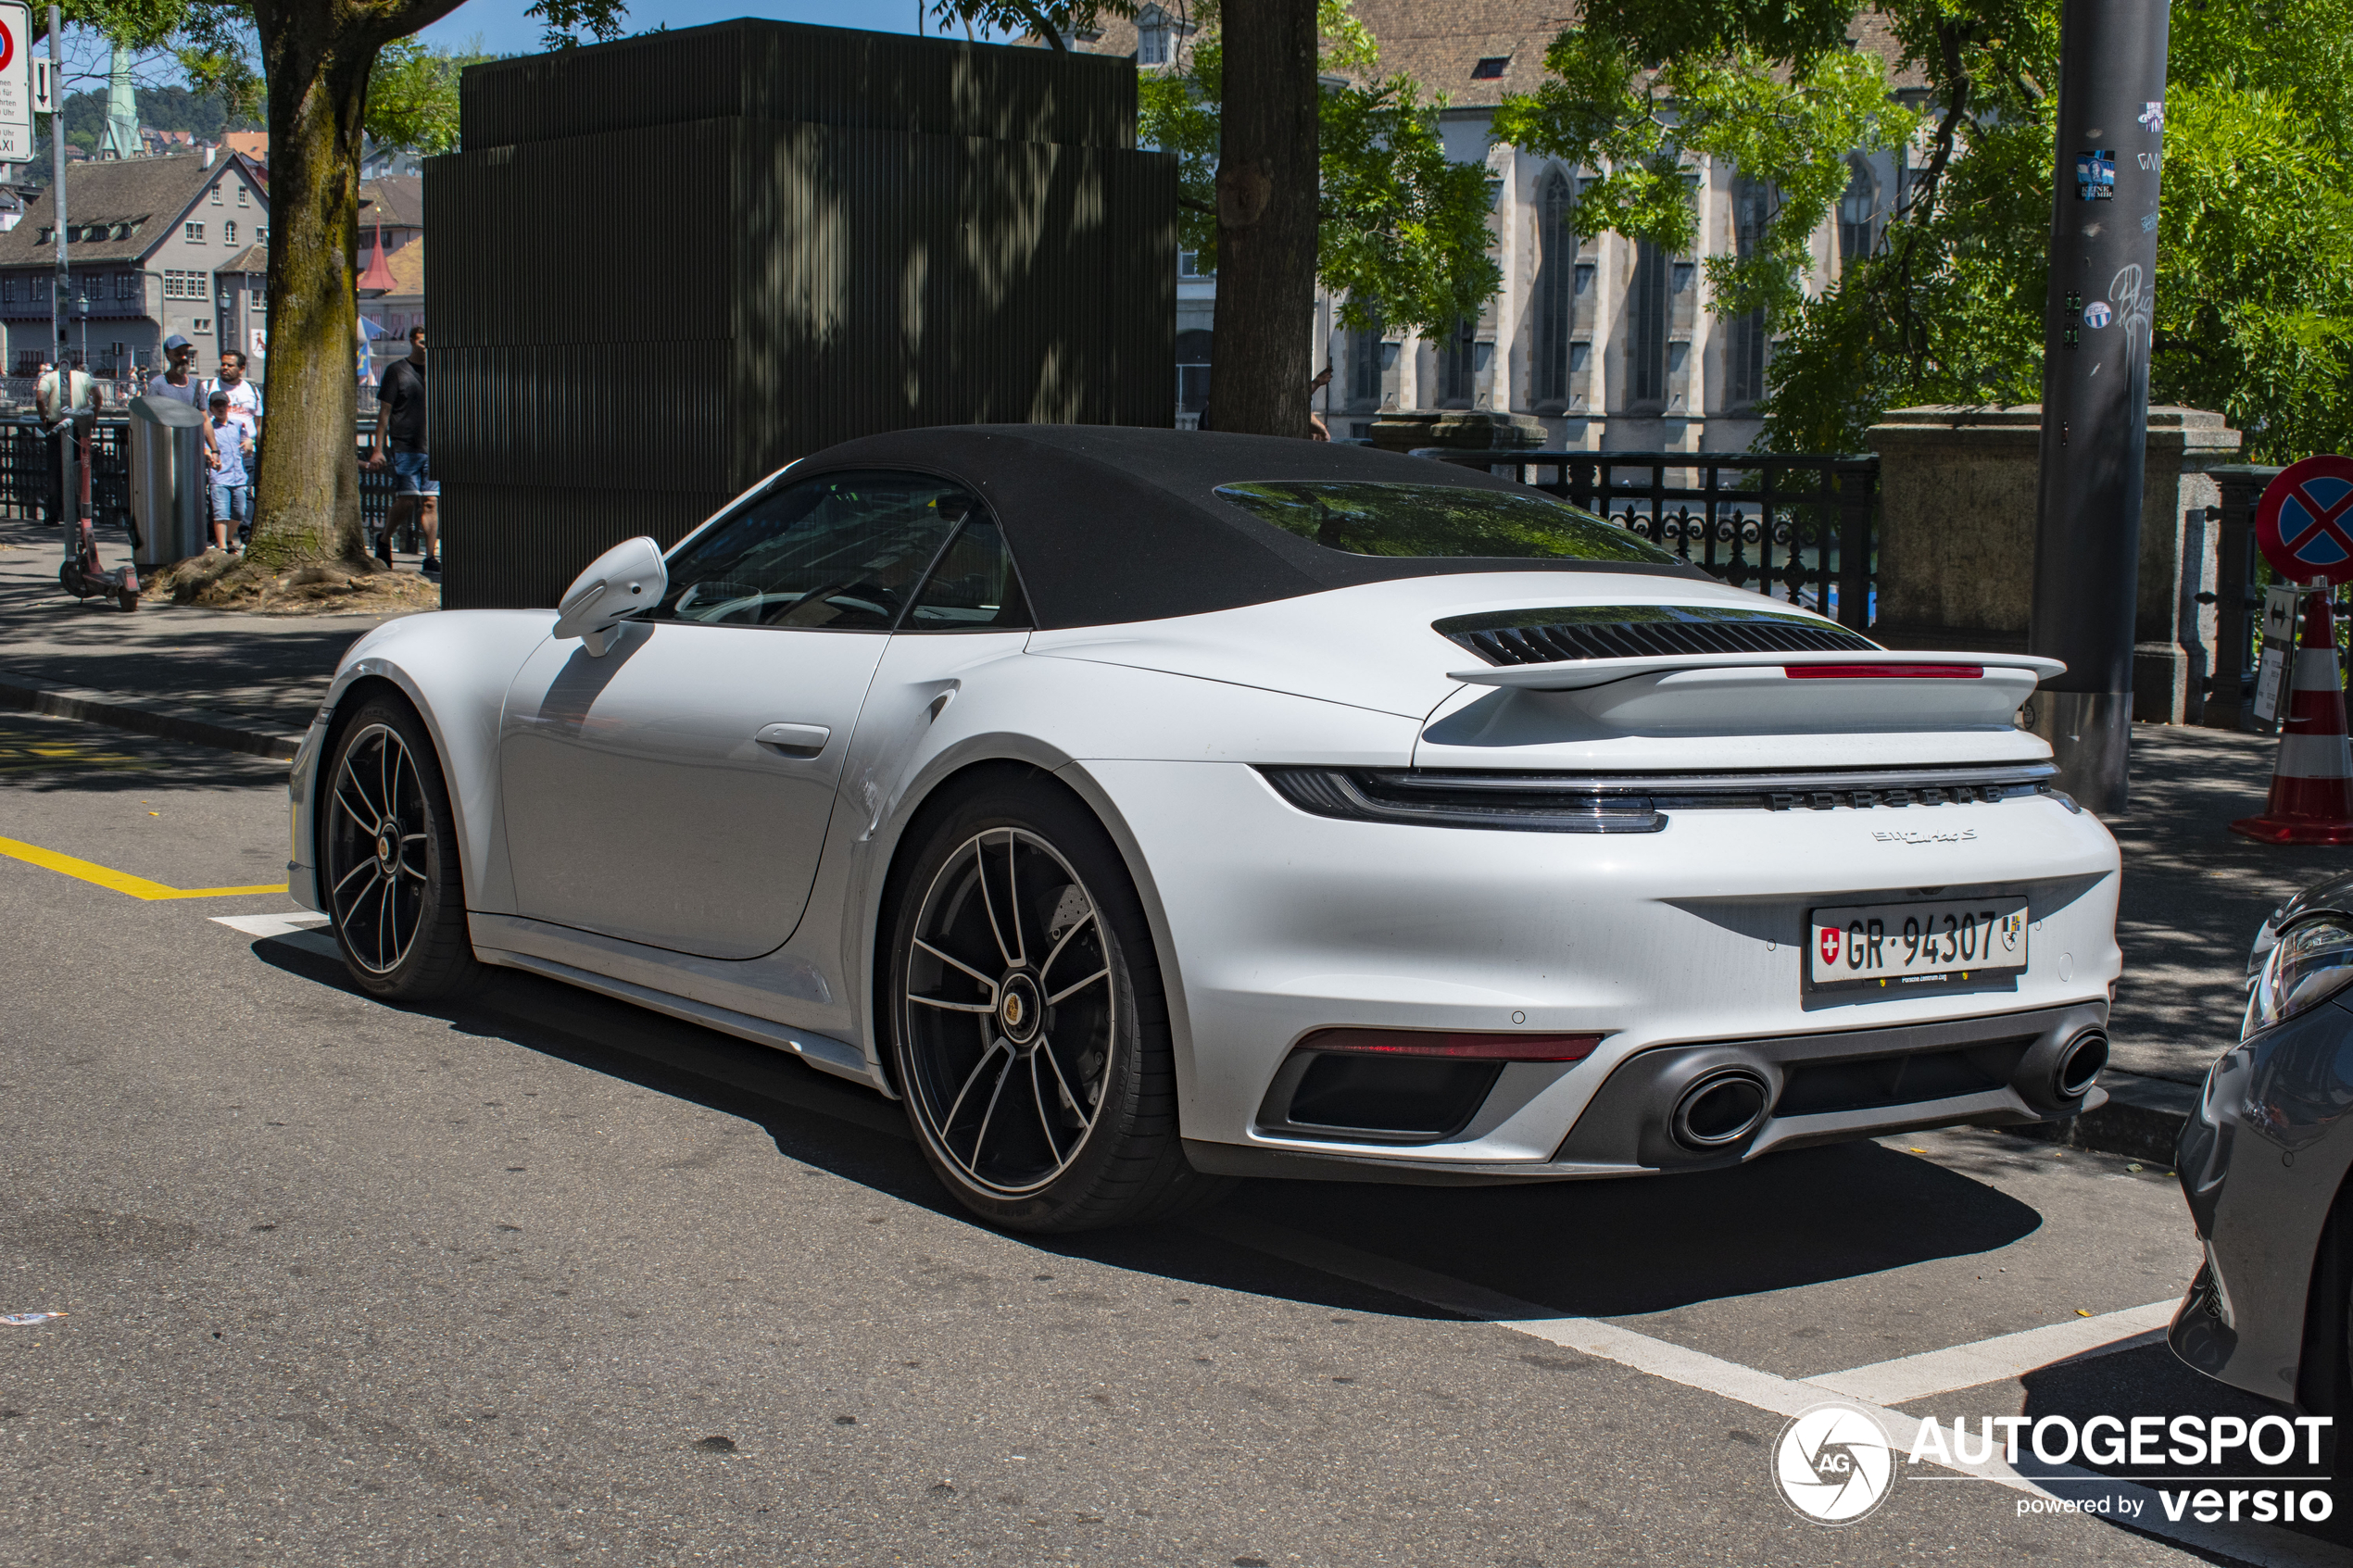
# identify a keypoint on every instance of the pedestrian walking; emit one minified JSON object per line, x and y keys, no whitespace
{"x":245,"y":407}
{"x":231,"y":483}
{"x":400,"y":430}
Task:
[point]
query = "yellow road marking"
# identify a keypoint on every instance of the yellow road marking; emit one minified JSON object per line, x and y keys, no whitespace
{"x":120,"y":881}
{"x":28,"y":758}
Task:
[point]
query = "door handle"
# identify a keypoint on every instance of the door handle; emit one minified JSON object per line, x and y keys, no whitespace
{"x":793,"y":740}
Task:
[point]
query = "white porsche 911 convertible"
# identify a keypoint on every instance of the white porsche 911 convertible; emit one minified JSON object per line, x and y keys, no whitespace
{"x":1148,"y":808}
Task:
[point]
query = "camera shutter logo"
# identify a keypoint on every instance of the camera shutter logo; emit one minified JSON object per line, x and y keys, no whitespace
{"x":1834,"y":1463}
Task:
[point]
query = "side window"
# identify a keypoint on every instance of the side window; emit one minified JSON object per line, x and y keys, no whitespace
{"x":974,"y":588}
{"x":843,"y":552}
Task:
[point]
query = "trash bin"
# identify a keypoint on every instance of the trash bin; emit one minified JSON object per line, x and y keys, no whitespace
{"x":167,"y":478}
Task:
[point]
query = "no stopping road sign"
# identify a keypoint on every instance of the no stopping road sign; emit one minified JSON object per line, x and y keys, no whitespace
{"x":2304,"y":523}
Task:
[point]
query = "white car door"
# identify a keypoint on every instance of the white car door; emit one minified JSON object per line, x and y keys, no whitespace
{"x":674,"y":792}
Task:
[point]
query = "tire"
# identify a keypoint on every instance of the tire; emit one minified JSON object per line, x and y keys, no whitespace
{"x":388,"y":860}
{"x":1027,"y":1026}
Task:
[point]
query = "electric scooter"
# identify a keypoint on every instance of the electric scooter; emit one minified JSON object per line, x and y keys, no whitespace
{"x":80,"y":575}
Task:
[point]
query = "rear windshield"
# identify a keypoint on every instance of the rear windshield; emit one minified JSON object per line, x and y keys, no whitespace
{"x":1438,"y":519}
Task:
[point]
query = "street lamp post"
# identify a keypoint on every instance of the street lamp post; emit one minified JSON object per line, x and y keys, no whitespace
{"x":2095,"y":386}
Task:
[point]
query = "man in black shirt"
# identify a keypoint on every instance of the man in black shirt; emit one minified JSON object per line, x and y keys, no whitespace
{"x":400,"y":425}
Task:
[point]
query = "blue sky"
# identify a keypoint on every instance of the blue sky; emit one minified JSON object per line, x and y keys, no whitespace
{"x":503,"y":29}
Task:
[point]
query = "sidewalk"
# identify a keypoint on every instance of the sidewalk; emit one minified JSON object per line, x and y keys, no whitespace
{"x":2193,"y":893}
{"x":261,"y":674}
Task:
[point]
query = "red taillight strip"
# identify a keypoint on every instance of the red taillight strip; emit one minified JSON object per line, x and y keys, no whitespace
{"x":1884,"y":672}
{"x":1456,"y":1046}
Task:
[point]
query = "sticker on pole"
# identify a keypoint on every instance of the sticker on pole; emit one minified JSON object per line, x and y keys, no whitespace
{"x":2304,"y":523}
{"x":16,"y":84}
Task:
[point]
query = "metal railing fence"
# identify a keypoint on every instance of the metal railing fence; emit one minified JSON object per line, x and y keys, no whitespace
{"x":27,"y":465}
{"x":1798,"y":528}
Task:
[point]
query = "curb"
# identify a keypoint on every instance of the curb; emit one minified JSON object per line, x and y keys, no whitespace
{"x":191,"y":724}
{"x":2143,"y":1119}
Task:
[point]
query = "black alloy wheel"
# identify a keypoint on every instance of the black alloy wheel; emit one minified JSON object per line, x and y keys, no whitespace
{"x":1028,"y":1028}
{"x":388,"y":863}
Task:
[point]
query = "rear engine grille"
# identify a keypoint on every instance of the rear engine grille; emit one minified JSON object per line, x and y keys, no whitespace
{"x":1553,"y":636}
{"x":1633,"y":802}
{"x":1814,"y":1088}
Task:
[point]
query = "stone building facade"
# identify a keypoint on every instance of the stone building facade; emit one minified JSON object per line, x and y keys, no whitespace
{"x":156,"y":246}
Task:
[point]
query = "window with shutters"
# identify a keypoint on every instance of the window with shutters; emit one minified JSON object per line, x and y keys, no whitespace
{"x":1458,"y":366}
{"x":1555,"y":286}
{"x":1857,"y":228}
{"x":1646,"y":309}
{"x":1366,"y":360}
{"x":1744,"y":345}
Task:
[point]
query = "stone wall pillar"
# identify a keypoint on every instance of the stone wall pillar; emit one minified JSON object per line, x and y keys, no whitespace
{"x":1956,"y":540}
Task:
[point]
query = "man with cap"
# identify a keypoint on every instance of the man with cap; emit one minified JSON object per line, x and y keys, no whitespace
{"x":177,"y":382}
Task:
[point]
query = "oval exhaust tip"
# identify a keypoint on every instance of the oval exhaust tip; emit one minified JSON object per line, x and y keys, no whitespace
{"x":1721,"y":1109}
{"x":2080,"y":1065}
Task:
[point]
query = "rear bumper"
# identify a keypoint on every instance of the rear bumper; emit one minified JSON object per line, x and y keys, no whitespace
{"x":1670,"y":944}
{"x":1820,"y":1088}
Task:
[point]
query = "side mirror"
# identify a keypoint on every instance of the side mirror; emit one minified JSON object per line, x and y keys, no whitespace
{"x":626,"y":580}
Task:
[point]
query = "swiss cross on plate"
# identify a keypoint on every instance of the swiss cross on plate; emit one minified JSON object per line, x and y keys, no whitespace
{"x":1830,"y":944}
{"x":2304,"y":523}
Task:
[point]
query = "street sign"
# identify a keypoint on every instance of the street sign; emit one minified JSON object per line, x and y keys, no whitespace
{"x":2304,"y":523}
{"x":2279,"y":647}
{"x":16,"y":84}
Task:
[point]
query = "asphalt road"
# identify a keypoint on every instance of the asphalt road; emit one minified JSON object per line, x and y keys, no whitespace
{"x":545,"y":1279}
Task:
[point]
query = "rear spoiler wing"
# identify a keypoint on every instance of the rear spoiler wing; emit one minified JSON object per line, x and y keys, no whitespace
{"x":1876,"y":664}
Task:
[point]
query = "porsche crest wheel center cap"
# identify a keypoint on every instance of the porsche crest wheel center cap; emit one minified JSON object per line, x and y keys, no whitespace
{"x":388,"y":842}
{"x":1019,"y":1009}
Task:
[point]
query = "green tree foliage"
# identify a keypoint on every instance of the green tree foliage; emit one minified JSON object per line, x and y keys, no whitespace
{"x":2255,"y":275}
{"x":1790,"y":124}
{"x":1403,"y":232}
{"x":413,"y":95}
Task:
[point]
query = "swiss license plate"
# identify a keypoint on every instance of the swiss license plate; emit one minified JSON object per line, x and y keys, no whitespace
{"x":1868,"y":942}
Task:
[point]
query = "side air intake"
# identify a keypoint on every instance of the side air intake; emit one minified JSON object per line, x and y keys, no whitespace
{"x":1552,"y":637}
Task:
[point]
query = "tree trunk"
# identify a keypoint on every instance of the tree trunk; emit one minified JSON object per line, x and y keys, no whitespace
{"x":316,"y":58}
{"x":1267,"y":195}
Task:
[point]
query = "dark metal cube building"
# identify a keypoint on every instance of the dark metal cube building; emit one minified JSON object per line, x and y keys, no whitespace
{"x":665,"y":267}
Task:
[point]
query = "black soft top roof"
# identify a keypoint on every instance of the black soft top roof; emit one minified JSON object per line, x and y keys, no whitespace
{"x":1111,"y":524}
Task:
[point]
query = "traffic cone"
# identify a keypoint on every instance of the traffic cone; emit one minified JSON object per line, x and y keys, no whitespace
{"x":2312,"y":786}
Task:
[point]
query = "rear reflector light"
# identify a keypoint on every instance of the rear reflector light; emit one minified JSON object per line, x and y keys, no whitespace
{"x":1457,"y":1048}
{"x":1884,"y":672}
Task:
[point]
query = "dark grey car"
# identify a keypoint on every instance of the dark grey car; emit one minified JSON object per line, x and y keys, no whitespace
{"x":2263,"y":1160}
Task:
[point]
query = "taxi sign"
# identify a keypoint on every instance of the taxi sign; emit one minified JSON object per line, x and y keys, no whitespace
{"x":16,"y":84}
{"x":2304,"y":523}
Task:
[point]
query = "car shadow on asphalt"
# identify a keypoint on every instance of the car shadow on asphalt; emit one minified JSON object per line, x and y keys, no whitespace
{"x":1579,"y":1248}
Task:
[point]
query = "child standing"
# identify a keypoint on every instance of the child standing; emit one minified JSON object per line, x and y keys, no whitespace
{"x":232,"y":488}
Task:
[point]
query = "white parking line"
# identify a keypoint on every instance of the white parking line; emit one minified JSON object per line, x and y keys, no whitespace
{"x":2263,"y":1546}
{"x":270,"y":925}
{"x":1906,"y":1378}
